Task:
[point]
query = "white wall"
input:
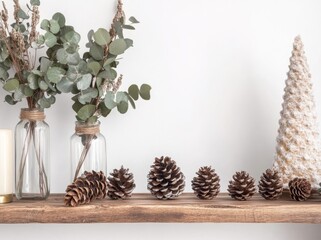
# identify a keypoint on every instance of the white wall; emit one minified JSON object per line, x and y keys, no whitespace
{"x":217,"y":68}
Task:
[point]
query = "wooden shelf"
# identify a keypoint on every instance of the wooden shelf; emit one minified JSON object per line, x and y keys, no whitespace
{"x":145,"y":208}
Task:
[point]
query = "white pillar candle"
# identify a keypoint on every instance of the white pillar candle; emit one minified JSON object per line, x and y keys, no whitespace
{"x":6,"y":165}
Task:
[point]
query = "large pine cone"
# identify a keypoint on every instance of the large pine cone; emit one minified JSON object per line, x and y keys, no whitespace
{"x":86,"y":188}
{"x":165,"y":180}
{"x":207,"y":183}
{"x":242,"y":187}
{"x":79,"y":192}
{"x":271,"y":185}
{"x":300,"y":189}
{"x":120,"y":184}
{"x":99,"y":181}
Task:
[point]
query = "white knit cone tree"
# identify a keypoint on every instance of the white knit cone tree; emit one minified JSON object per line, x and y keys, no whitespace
{"x":298,"y":146}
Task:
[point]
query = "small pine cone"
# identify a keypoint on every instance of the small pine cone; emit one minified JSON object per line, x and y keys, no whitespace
{"x":271,"y":185}
{"x":207,"y":183}
{"x":79,"y":192}
{"x":300,"y":189}
{"x":242,"y":187}
{"x":99,"y":181}
{"x":120,"y":184}
{"x":165,"y":179}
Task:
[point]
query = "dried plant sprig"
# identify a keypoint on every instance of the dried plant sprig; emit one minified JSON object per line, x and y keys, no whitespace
{"x":34,"y":22}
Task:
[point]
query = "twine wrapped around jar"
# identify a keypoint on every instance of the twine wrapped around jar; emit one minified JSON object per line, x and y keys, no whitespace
{"x":87,"y":129}
{"x":32,"y":115}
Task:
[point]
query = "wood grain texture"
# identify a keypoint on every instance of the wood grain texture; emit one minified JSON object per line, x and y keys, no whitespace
{"x":145,"y":208}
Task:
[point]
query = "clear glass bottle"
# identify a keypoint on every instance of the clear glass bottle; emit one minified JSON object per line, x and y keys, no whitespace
{"x":87,"y":149}
{"x":32,"y":155}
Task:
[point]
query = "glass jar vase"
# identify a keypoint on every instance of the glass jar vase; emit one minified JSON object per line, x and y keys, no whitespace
{"x":32,"y":155}
{"x":87,"y":149}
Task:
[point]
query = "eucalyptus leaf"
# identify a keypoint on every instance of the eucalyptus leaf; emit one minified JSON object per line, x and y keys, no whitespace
{"x":43,"y":85}
{"x":109,"y":61}
{"x":3,"y":74}
{"x":92,"y":119}
{"x":122,"y":107}
{"x":87,"y":95}
{"x":22,"y":14}
{"x":40,"y":40}
{"x":109,"y":73}
{"x":121,"y":97}
{"x":129,"y":27}
{"x":144,"y":91}
{"x":133,"y":20}
{"x":27,"y":91}
{"x":77,"y":106}
{"x":98,"y":82}
{"x":133,"y":91}
{"x":3,"y":54}
{"x":44,"y":64}
{"x":18,"y":94}
{"x":119,"y":29}
{"x":35,"y":2}
{"x":33,"y":81}
{"x":11,"y":85}
{"x":71,"y":37}
{"x":50,"y":39}
{"x":118,"y":46}
{"x":86,"y":111}
{"x":129,"y":42}
{"x":45,"y":24}
{"x":9,"y":99}
{"x":90,"y":35}
{"x":94,"y":67}
{"x":110,"y":100}
{"x":44,"y":103}
{"x":65,"y":85}
{"x":62,"y":56}
{"x":132,"y":102}
{"x":55,"y":74}
{"x":104,"y":110}
{"x":52,"y":99}
{"x":97,"y":52}
{"x":67,"y":58}
{"x":84,"y":82}
{"x":102,"y":37}
{"x":54,"y":26}
{"x":60,"y":18}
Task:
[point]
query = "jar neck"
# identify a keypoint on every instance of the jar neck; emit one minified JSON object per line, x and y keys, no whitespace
{"x":32,"y":114}
{"x":87,"y":128}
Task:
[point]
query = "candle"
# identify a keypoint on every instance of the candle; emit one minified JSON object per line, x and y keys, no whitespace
{"x":6,"y":166}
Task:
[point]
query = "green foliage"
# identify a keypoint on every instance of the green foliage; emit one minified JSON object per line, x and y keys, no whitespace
{"x":102,"y":37}
{"x":92,"y":79}
{"x":101,"y":60}
{"x":59,"y":71}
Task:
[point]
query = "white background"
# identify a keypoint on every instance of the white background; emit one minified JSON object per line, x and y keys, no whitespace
{"x":218,"y":69}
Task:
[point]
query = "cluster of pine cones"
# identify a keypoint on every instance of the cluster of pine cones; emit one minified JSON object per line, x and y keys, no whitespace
{"x":242,"y":187}
{"x":94,"y":185}
{"x":166,"y":181}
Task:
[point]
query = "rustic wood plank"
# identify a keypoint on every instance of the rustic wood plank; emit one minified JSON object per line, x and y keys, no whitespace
{"x":145,"y":208}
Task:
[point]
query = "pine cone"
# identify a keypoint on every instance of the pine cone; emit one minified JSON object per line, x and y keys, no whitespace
{"x":120,"y":184}
{"x":300,"y":189}
{"x":165,"y":180}
{"x":271,"y":185}
{"x":99,"y":181}
{"x":86,"y":188}
{"x":207,"y":183}
{"x":242,"y":187}
{"x":79,"y":192}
